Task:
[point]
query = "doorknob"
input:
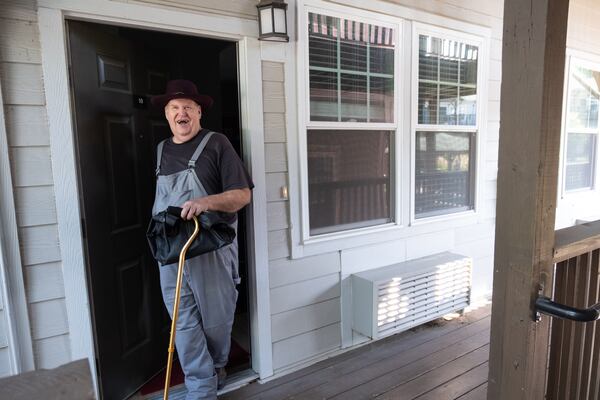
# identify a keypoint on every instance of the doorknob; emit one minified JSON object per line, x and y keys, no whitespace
{"x":546,"y":306}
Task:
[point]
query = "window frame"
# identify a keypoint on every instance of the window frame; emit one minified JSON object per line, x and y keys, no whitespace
{"x":307,"y":124}
{"x":482,"y":61}
{"x":403,"y":226}
{"x":575,"y":58}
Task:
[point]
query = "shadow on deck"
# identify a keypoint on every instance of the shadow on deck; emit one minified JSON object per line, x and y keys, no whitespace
{"x":441,"y":360}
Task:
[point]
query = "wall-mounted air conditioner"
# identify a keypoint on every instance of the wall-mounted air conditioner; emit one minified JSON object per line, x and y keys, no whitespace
{"x":398,"y":297}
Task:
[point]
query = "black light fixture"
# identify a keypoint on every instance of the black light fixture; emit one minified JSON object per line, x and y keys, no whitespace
{"x":272,"y":20}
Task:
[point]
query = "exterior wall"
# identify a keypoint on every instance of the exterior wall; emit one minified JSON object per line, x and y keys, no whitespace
{"x":236,"y":8}
{"x":582,"y":30}
{"x":28,"y":142}
{"x":307,"y":307}
{"x":305,"y":293}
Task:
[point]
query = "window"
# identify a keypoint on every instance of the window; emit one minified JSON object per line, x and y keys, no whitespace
{"x":351,"y":70}
{"x":390,"y":124}
{"x":581,"y":127}
{"x":446,"y":133}
{"x":351,"y":98}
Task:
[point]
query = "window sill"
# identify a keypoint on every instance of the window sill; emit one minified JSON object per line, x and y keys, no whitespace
{"x":443,"y":217}
{"x":383,"y":233}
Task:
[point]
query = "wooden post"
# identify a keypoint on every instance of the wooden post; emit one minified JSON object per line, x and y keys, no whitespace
{"x":533,"y":62}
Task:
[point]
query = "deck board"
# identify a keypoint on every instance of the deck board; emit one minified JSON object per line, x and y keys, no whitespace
{"x":479,"y":393}
{"x":391,"y":379}
{"x":440,"y":360}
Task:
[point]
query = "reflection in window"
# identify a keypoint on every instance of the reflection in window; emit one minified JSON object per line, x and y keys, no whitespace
{"x":447,"y":97}
{"x":447,"y":82}
{"x":582,"y":127}
{"x":583,"y":98}
{"x":356,"y":60}
{"x":349,"y":179}
{"x":443,"y":172}
{"x":580,"y":160}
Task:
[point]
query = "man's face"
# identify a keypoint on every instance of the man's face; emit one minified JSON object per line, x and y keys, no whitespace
{"x":184,"y":119}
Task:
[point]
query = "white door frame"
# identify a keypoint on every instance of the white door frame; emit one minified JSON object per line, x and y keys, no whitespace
{"x":53,"y":37}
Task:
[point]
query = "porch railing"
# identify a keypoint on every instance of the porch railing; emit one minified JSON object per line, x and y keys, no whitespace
{"x":574,"y":362}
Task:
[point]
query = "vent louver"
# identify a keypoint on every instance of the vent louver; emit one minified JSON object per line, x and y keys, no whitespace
{"x":398,"y":297}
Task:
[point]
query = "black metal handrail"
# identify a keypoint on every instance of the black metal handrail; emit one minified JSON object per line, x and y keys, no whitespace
{"x":546,"y":306}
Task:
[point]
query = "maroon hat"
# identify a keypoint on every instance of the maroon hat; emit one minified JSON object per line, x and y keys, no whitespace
{"x":182,"y":89}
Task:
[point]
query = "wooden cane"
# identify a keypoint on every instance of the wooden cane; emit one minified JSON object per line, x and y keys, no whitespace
{"x":171,"y":349}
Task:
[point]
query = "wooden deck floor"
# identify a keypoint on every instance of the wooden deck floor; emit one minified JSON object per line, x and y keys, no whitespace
{"x":442,"y":360}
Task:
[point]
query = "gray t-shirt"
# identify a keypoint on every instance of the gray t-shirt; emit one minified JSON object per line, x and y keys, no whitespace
{"x":219,"y":168}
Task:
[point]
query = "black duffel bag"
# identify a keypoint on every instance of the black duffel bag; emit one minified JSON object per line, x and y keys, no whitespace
{"x":168,"y":232}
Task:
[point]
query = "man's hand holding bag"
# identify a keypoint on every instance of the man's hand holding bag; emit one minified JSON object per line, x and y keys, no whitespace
{"x":167,"y":233}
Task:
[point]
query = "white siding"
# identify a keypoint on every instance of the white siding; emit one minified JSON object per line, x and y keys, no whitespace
{"x":48,"y":318}
{"x":305,"y":346}
{"x":275,"y":158}
{"x":31,"y":166}
{"x":28,"y":140}
{"x":583,"y":29}
{"x":582,"y":33}
{"x":39,"y":244}
{"x":277,"y":215}
{"x":306,"y":292}
{"x":52,"y":351}
{"x":275,"y":183}
{"x":35,"y":205}
{"x":279,"y":244}
{"x":284,"y":272}
{"x":44,"y":282}
{"x":27,"y":126}
{"x":20,"y":42}
{"x":305,"y":319}
{"x":238,"y":8}
{"x":22,"y":83}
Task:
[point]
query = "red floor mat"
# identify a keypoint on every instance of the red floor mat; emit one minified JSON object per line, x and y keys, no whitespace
{"x":158,"y":382}
{"x":237,"y":357}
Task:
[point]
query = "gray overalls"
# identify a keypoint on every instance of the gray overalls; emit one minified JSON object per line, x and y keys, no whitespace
{"x":208,"y":293}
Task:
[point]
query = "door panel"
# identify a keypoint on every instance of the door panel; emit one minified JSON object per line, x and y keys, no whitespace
{"x":114,"y":71}
{"x":115,"y":174}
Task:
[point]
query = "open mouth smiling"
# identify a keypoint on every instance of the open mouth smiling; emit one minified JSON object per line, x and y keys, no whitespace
{"x":182,"y":121}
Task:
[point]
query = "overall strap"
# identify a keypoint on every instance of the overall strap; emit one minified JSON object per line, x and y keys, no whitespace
{"x":159,"y":150}
{"x":199,"y":149}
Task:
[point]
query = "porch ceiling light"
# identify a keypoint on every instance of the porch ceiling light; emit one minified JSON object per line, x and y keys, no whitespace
{"x":272,"y":20}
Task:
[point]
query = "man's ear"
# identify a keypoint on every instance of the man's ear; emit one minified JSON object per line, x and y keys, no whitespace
{"x":166,"y":113}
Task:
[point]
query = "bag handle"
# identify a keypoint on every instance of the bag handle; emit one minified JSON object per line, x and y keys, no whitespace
{"x":175,"y":211}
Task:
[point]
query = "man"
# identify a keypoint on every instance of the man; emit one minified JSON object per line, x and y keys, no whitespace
{"x":198,"y":170}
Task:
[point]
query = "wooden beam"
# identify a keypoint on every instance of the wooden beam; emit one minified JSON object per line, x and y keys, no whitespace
{"x":575,"y":240}
{"x":533,"y":61}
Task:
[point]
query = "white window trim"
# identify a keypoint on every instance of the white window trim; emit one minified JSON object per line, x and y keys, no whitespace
{"x":590,"y":61}
{"x":304,"y":113}
{"x":404,"y":225}
{"x":482,"y":67}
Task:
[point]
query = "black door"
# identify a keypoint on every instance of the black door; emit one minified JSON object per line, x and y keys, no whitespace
{"x":114,"y":71}
{"x":115,"y":163}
